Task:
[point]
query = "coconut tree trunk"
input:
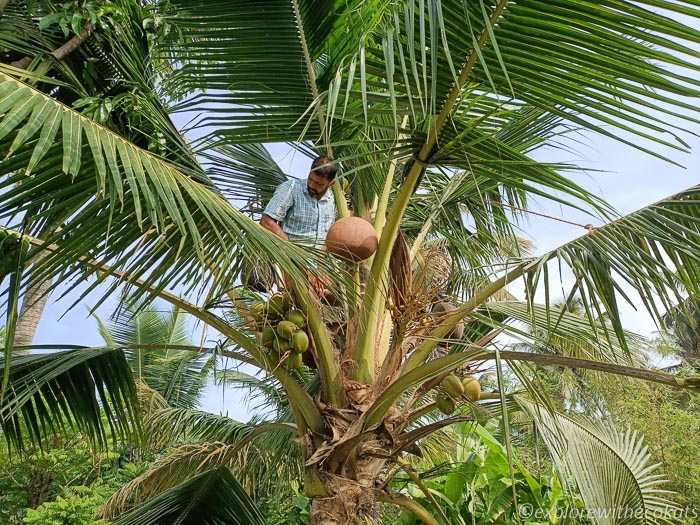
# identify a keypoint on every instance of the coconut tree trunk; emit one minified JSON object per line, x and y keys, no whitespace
{"x":347,"y":502}
{"x":32,"y":309}
{"x":355,"y":501}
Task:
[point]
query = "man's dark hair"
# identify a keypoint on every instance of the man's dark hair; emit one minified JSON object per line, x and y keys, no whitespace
{"x":327,"y":169}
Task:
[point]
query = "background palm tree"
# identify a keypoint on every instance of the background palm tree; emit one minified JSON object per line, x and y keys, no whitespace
{"x":433,"y":109}
{"x":178,"y":376}
{"x":682,"y":322}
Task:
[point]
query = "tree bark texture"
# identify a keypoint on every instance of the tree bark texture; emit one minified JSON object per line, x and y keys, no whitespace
{"x":349,"y":502}
{"x":33,"y":306}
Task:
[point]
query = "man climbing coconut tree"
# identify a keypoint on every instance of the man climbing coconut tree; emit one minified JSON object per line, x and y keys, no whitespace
{"x":304,"y":210}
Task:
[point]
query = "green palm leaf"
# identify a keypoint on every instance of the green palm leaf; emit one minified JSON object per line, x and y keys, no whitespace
{"x":600,"y":458}
{"x":74,"y":389}
{"x":13,"y":252}
{"x":152,"y":219}
{"x":264,"y":458}
{"x":244,"y":172}
{"x":179,"y":376}
{"x":650,"y":252}
{"x":309,"y":40}
{"x":564,"y":332}
{"x":172,"y":425}
{"x":213,"y":497}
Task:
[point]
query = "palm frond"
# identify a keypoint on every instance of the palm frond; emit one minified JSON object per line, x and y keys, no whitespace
{"x":598,"y":458}
{"x":243,"y":172}
{"x":173,"y":425}
{"x":90,"y":390}
{"x":213,"y":497}
{"x":152,"y":219}
{"x":588,"y":72}
{"x":263,"y":468}
{"x":563,"y":332}
{"x":218,"y":42}
{"x":179,"y":376}
{"x":646,"y":257}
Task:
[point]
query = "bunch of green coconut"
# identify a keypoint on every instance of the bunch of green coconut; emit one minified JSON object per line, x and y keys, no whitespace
{"x":454,"y":389}
{"x":281,"y":330}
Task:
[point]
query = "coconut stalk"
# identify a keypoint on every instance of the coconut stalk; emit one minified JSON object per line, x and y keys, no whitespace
{"x":331,"y":379}
{"x":363,"y":353}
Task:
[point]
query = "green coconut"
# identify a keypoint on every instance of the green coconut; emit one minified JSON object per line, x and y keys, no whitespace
{"x":294,"y":361}
{"x":452,"y":386}
{"x":297,"y":317}
{"x":472,"y":388}
{"x":278,"y":305}
{"x":267,"y":336}
{"x":274,"y":356}
{"x":286,"y":329}
{"x":257,"y":310}
{"x":281,"y":345}
{"x":300,"y":342}
{"x":445,"y":404}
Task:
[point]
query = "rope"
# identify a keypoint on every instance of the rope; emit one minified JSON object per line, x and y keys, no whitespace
{"x":588,"y":227}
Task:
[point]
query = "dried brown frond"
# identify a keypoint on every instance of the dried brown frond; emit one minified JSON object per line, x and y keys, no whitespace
{"x":400,"y":274}
{"x":182,"y":464}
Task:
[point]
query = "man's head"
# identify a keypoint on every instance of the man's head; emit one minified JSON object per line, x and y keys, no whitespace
{"x":321,"y":176}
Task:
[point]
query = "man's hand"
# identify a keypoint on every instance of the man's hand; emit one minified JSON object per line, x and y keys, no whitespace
{"x":271,"y":224}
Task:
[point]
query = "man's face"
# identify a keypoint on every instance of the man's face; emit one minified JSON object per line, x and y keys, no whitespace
{"x":318,"y":185}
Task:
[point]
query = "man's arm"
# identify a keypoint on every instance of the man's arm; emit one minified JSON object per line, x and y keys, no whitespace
{"x":276,"y":210}
{"x":271,"y":224}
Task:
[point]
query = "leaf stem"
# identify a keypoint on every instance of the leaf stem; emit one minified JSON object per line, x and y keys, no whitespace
{"x":407,"y":503}
{"x":370,"y":311}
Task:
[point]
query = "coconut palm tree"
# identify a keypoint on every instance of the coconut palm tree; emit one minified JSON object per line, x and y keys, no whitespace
{"x":682,"y":324}
{"x":433,"y":109}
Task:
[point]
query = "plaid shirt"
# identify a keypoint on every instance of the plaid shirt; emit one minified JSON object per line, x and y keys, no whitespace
{"x":302,"y":216}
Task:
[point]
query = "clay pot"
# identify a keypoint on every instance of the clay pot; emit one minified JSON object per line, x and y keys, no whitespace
{"x":352,"y":239}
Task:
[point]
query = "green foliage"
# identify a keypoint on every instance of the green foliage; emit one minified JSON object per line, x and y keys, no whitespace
{"x":477,"y":487}
{"x":351,"y":76}
{"x":74,"y":16}
{"x":87,"y":389}
{"x":289,"y":509}
{"x":670,"y":422}
{"x":67,"y":476}
{"x":79,"y":508}
{"x":213,"y":497}
{"x":179,"y":376}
